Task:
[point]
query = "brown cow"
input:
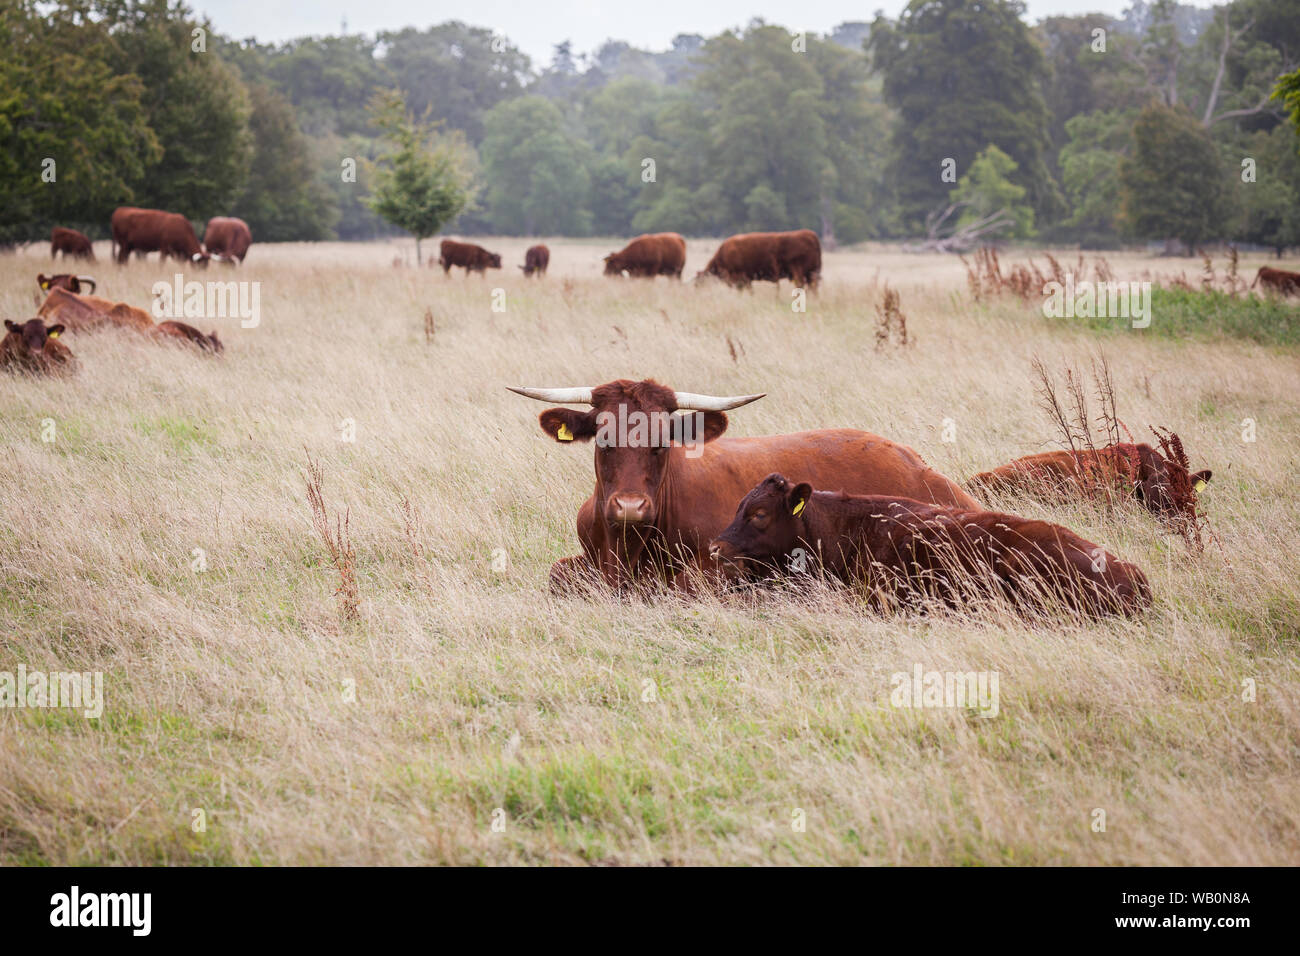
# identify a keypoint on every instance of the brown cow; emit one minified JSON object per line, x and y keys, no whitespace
{"x":767,"y":257}
{"x":227,"y":239}
{"x":1277,"y":280}
{"x":1164,"y":487}
{"x":72,"y":244}
{"x":657,"y":254}
{"x":153,"y":230}
{"x":188,"y":334}
{"x":35,"y":347}
{"x":906,"y":551}
{"x":473,"y":258}
{"x":65,"y":280}
{"x":667,"y":483}
{"x":84,"y":313}
{"x":536,"y":259}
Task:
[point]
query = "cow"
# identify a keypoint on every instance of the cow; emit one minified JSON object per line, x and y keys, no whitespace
{"x":657,"y":254}
{"x":227,"y":239}
{"x":473,"y":258}
{"x":909,"y":552}
{"x":84,"y":313}
{"x":34,"y":347}
{"x":767,"y":257}
{"x":65,"y":280}
{"x":1164,"y":487}
{"x":1277,"y":280}
{"x":536,"y":259}
{"x":72,"y":244}
{"x":188,"y":334}
{"x":153,"y":230}
{"x":669,"y":482}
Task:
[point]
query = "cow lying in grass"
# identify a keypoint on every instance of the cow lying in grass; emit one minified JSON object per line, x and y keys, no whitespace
{"x":1161,"y":483}
{"x":35,"y":347}
{"x":188,"y":334}
{"x":85,"y":313}
{"x":907,"y":552}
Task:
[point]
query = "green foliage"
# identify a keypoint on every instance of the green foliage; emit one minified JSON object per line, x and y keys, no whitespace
{"x":419,"y":187}
{"x":1192,"y":313}
{"x":1173,"y":186}
{"x":1090,"y":163}
{"x":1270,"y":206}
{"x":961,"y":74}
{"x":1288,"y":91}
{"x":988,"y":188}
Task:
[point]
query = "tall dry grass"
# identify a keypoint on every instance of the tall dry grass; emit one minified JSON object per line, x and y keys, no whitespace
{"x":686,"y":731}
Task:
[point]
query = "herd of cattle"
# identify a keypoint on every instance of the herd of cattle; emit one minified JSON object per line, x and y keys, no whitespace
{"x":862,"y":509}
{"x":858,"y":508}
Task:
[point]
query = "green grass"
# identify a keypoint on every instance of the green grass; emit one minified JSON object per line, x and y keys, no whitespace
{"x":1188,"y":313}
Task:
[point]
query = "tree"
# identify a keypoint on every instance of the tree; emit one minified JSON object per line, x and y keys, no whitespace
{"x":61,"y":100}
{"x":961,"y":74}
{"x":1270,"y":202}
{"x":1173,"y":186}
{"x":1288,"y":91}
{"x":987,"y":188}
{"x":1090,"y":161}
{"x":419,"y":187}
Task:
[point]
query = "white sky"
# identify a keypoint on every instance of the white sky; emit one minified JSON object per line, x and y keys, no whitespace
{"x":536,"y":25}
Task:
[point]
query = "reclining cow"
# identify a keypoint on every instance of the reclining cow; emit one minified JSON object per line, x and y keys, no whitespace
{"x":1163,"y":486}
{"x":66,"y":281}
{"x":668,"y":481}
{"x":909,"y":553}
{"x":34,"y":347}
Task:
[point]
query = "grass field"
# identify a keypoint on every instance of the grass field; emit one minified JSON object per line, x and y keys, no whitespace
{"x":680,"y":731}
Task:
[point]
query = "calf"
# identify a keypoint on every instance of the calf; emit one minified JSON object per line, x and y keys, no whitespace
{"x":908,"y":550}
{"x":536,"y":259}
{"x":471,"y":257}
{"x":1164,"y":487}
{"x":654,"y":254}
{"x":65,"y":281}
{"x":35,"y":347}
{"x":1277,"y":280}
{"x":72,"y":244}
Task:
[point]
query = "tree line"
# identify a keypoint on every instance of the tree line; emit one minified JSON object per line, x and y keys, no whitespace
{"x":957,"y":114}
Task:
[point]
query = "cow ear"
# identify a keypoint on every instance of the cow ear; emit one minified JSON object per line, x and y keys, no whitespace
{"x":12,"y":326}
{"x":715,"y":423}
{"x":568,"y":424}
{"x":798,"y":497}
{"x":1201,"y":479}
{"x":54,"y":331}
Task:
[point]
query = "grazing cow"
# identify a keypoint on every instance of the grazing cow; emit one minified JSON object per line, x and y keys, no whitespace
{"x":473,"y":258}
{"x":767,"y":257}
{"x":188,"y":334}
{"x":153,"y":230}
{"x":667,"y":483}
{"x":84,"y":313}
{"x":1277,"y":280}
{"x":65,"y":280}
{"x":1164,"y":487}
{"x":227,"y":239}
{"x":72,"y":244}
{"x":906,"y":551}
{"x":34,"y":347}
{"x":657,"y":254}
{"x":536,"y":259}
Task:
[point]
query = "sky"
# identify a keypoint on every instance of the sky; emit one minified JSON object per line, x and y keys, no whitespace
{"x":535,"y":26}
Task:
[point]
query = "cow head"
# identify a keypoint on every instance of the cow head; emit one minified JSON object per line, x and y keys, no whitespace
{"x":65,"y":281}
{"x":767,"y":527}
{"x":214,"y":343}
{"x":201,"y":258}
{"x":494,"y":260}
{"x":613,"y":265}
{"x":640,"y":429}
{"x":1166,"y":487}
{"x":33,"y":334}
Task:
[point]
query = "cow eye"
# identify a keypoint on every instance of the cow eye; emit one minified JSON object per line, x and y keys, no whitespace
{"x":758,"y":515}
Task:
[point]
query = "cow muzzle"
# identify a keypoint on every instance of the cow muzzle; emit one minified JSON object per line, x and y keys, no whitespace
{"x":629,"y":509}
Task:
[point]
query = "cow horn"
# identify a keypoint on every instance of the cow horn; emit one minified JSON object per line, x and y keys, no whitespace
{"x":713,"y":403}
{"x":91,"y":280}
{"x":557,"y":396}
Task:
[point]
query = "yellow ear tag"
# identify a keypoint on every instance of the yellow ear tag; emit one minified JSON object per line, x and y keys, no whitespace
{"x":45,"y":286}
{"x":799,"y":507}
{"x":55,"y":335}
{"x":564,"y":434}
{"x":1200,"y":484}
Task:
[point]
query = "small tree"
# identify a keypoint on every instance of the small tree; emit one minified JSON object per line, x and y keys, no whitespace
{"x":423,"y":184}
{"x":987,"y":189}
